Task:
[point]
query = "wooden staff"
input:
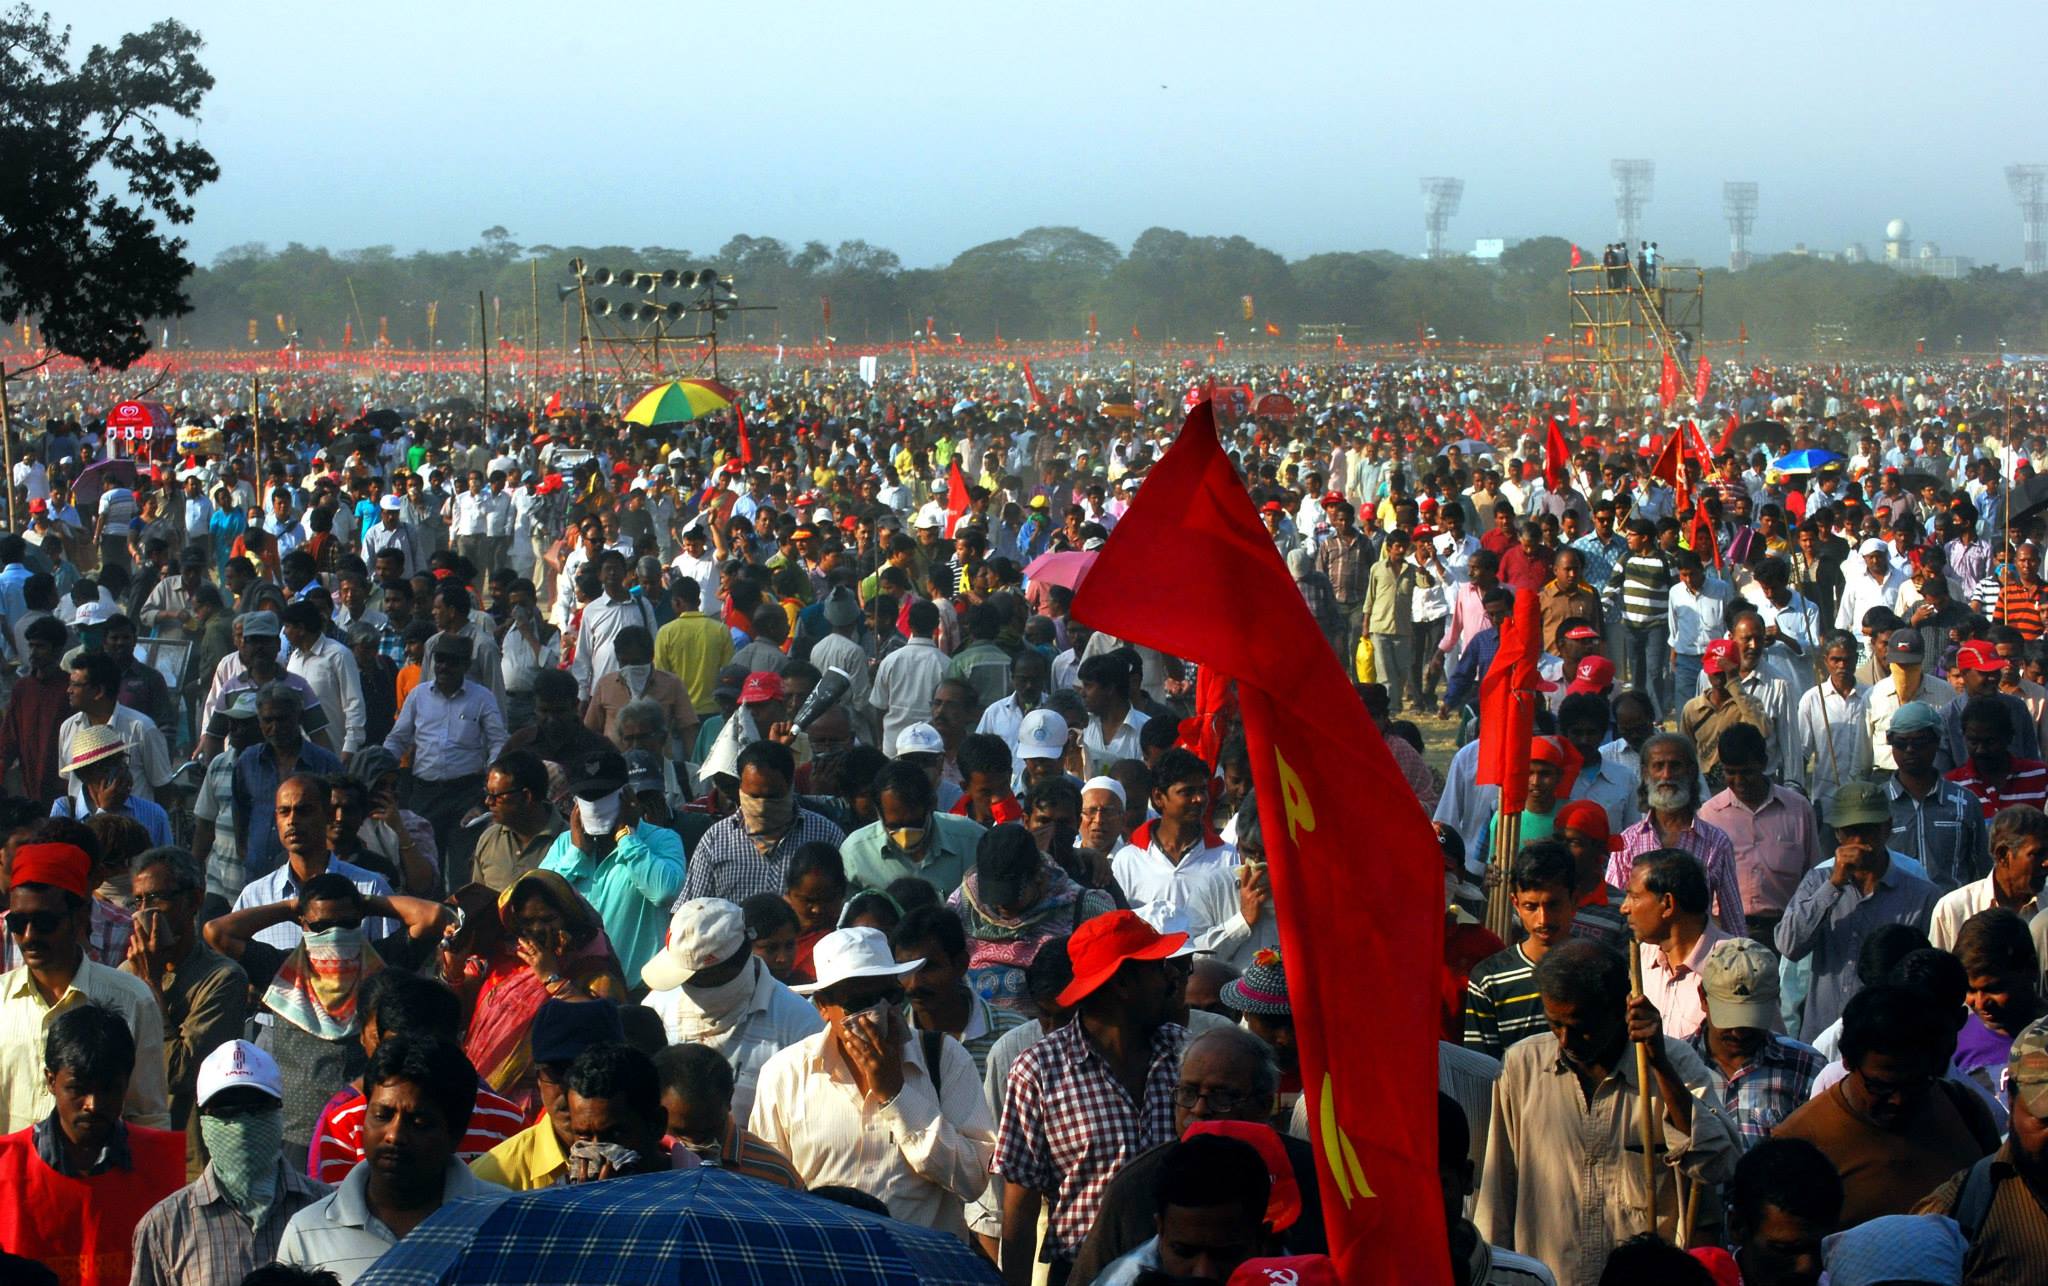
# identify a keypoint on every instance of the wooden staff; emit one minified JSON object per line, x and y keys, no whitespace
{"x":1647,"y":1117}
{"x":1507,"y":838}
{"x":7,"y":452}
{"x":1692,"y":1214}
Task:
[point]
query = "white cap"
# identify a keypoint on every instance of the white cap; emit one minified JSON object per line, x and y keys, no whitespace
{"x":93,"y":613}
{"x":1873,"y":546}
{"x":1169,"y":920}
{"x":235,"y":1065}
{"x":853,"y":953}
{"x":1110,"y":784}
{"x":920,"y":739}
{"x":390,"y":502}
{"x":1042,"y":735}
{"x":703,"y":932}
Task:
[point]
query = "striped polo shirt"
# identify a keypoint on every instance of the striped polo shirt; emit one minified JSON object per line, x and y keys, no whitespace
{"x":2025,"y":783}
{"x":1646,"y":588}
{"x":1502,"y":1005}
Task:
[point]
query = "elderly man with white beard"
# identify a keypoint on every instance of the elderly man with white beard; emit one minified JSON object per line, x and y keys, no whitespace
{"x":1671,"y":796}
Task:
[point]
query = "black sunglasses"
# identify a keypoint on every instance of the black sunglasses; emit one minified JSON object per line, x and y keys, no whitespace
{"x":20,"y":922}
{"x":322,"y":926}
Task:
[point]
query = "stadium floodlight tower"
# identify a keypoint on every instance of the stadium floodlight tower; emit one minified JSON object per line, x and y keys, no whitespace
{"x":1738,"y":202}
{"x":2029,"y":185}
{"x":1440,"y":198}
{"x":1633,"y":182}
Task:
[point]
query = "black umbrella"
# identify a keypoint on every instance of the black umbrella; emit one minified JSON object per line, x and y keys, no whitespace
{"x":1912,"y":482}
{"x":2028,"y":499}
{"x":383,"y":418}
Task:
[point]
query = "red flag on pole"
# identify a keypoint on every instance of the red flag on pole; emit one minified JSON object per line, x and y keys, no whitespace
{"x":1575,"y":254}
{"x":1507,"y":705}
{"x":1667,"y":382}
{"x":1557,"y":456}
{"x":1699,"y":381}
{"x":1031,"y":382}
{"x":1575,"y":417}
{"x":956,"y":496}
{"x":1327,"y":779}
{"x":554,"y":406}
{"x":746,"y":447}
{"x":1728,"y":433}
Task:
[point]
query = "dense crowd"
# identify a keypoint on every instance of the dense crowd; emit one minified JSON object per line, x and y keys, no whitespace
{"x":406,"y":806}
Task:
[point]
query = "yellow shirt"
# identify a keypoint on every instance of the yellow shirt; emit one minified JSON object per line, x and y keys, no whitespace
{"x":25,"y":1022}
{"x":694,"y":647}
{"x":530,"y":1159}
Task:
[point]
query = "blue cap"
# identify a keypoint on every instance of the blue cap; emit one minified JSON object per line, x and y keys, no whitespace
{"x":1912,"y":717}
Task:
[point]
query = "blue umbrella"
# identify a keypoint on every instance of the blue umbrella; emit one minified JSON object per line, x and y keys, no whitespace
{"x":1807,"y":461}
{"x":704,"y":1225}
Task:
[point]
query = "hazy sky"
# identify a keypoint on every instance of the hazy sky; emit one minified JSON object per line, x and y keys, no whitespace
{"x":932,"y":128}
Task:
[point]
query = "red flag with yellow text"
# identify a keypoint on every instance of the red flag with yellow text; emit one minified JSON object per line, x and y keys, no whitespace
{"x":1557,"y":457}
{"x":1356,"y":872}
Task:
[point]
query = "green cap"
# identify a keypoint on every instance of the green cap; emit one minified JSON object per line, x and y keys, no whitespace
{"x":2028,"y":1067}
{"x":1859,"y":803}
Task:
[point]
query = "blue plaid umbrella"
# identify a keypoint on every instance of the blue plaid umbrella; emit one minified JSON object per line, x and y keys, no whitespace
{"x":1806,"y":461}
{"x":704,"y":1225}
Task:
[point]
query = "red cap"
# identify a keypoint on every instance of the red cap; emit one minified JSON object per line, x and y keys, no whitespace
{"x":1980,"y":655}
{"x":1272,"y":507}
{"x":1332,"y":498}
{"x":1560,"y":753}
{"x":1595,"y":675}
{"x":1722,"y":657}
{"x":1581,"y":633}
{"x":1283,"y":1199}
{"x":761,"y":685}
{"x":1288,"y":1270}
{"x":1101,"y":946}
{"x":62,"y":866}
{"x":1587,"y":818}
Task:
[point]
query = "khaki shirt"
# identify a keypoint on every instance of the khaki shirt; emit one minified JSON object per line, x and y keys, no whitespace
{"x":500,"y":859}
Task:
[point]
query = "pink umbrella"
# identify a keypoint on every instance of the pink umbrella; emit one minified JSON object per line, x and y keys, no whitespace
{"x":1063,"y":567}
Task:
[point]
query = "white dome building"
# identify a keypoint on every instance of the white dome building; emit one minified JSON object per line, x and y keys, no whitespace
{"x":1898,"y":241}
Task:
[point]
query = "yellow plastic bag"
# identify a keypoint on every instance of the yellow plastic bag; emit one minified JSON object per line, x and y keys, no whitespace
{"x":1367,"y":671}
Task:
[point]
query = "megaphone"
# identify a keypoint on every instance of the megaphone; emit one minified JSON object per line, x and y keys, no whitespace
{"x":629,"y":312}
{"x":671,"y":278}
{"x":603,"y":277}
{"x":829,"y":692}
{"x":576,"y":266}
{"x":564,"y":292}
{"x":602,"y":307}
{"x":674,"y":311}
{"x":648,"y":282}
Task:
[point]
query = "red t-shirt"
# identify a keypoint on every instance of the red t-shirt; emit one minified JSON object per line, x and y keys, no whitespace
{"x":338,"y":1138}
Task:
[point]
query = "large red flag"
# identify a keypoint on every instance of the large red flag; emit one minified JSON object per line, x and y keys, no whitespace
{"x":1667,"y":382}
{"x":1557,"y":457}
{"x":956,"y":496}
{"x":1356,"y":872}
{"x":746,"y":447}
{"x":1727,"y":434}
{"x":1575,"y":417}
{"x":1507,"y":705}
{"x":1700,"y":380}
{"x":1031,"y":382}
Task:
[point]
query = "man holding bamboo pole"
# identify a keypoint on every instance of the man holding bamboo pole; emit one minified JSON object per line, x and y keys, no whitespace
{"x":1566,"y":1174}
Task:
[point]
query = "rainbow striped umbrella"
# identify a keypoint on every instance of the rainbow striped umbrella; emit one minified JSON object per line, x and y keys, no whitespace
{"x":679,"y":401}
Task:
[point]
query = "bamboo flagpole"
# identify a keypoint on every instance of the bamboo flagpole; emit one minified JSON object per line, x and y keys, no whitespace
{"x":7,"y":452}
{"x":1647,"y":1115}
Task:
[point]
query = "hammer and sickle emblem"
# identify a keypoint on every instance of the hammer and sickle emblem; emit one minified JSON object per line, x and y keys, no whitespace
{"x":1301,"y":813}
{"x":1337,"y":1149}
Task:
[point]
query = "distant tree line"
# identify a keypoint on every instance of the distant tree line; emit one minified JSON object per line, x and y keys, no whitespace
{"x":1046,"y":282}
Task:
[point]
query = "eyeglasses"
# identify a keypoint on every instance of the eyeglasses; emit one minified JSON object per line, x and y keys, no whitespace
{"x":1223,"y":1101}
{"x":20,"y":922}
{"x":323,"y":926}
{"x":493,"y":796}
{"x":159,"y":901}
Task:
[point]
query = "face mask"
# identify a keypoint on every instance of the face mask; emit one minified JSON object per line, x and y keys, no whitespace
{"x":908,"y":839}
{"x":244,"y":1152}
{"x":717,"y":1006}
{"x":767,"y":815}
{"x":1905,"y":678}
{"x":601,"y":816}
{"x":636,"y":677}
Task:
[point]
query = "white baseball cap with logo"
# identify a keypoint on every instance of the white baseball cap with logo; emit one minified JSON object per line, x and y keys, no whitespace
{"x":237,"y":1065}
{"x":920,"y":739}
{"x":703,"y":932}
{"x":1042,"y":735}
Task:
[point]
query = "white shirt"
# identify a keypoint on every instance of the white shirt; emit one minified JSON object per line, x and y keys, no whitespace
{"x":705,"y":572}
{"x":603,"y":618}
{"x":447,"y":736}
{"x":904,"y":684}
{"x":1159,"y":888}
{"x":1860,"y":594}
{"x":924,"y":1154}
{"x":467,"y":517}
{"x":330,"y":670}
{"x":1103,"y":755}
{"x":1695,"y":619}
{"x":1884,"y":703}
{"x":773,"y":1020}
{"x":497,"y":513}
{"x":149,"y":762}
{"x":521,"y":663}
{"x":1959,"y":905}
{"x":338,"y":1232}
{"x":1834,"y":739}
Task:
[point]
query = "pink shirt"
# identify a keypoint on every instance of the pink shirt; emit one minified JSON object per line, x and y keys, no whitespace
{"x":1678,"y":994}
{"x":1705,"y":841}
{"x":1467,"y":619}
{"x":1775,"y":845}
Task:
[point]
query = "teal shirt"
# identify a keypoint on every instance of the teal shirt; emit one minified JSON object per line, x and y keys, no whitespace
{"x":1535,"y":826}
{"x":631,"y":889}
{"x":947,"y":858}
